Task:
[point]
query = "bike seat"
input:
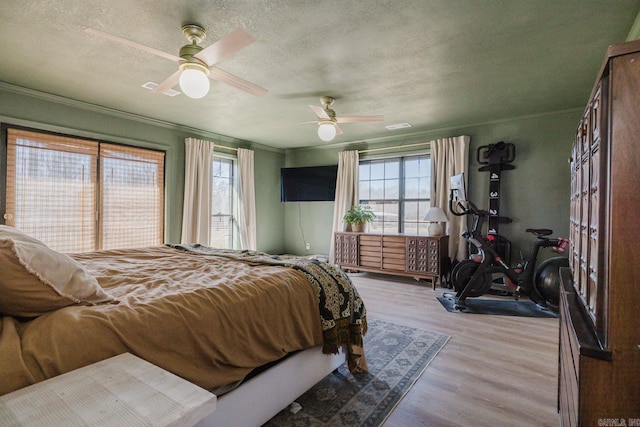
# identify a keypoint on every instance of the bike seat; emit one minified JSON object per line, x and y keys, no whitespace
{"x":540,"y":232}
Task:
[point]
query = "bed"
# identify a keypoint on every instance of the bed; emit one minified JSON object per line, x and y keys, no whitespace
{"x":212,"y":317}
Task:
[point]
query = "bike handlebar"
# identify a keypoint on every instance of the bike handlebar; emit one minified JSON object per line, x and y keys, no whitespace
{"x":471,"y":208}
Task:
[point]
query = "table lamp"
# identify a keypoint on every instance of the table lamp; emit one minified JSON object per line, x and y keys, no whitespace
{"x":435,"y":216}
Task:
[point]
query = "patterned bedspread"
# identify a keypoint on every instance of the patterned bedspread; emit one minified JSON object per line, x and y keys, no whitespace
{"x":342,"y":312}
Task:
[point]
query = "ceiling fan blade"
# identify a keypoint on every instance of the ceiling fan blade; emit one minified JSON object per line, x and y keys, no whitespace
{"x":224,"y":47}
{"x":338,"y":130}
{"x":169,"y":82}
{"x":320,"y":112}
{"x":295,"y":124}
{"x":130,"y":43}
{"x":235,"y":81}
{"x":354,"y":119}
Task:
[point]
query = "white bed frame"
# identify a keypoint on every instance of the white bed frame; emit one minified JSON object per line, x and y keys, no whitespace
{"x":263,"y":396}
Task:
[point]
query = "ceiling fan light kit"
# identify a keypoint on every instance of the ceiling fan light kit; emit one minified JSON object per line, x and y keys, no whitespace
{"x":194,"y":80}
{"x":326,"y":131}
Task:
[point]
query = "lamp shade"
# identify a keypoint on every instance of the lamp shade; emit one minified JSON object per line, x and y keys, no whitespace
{"x":435,"y":216}
{"x":326,"y":131}
{"x":194,"y":83}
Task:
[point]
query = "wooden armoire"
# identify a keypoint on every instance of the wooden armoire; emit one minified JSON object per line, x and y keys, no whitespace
{"x":599,"y":358}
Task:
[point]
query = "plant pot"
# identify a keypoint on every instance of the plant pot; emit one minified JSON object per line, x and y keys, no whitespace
{"x":359,"y":227}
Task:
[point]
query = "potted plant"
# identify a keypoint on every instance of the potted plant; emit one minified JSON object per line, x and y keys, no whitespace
{"x":358,"y":216}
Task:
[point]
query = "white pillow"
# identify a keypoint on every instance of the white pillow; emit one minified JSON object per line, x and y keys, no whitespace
{"x":35,"y":279}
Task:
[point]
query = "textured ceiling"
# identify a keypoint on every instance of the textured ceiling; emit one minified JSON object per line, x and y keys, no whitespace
{"x":433,"y":64}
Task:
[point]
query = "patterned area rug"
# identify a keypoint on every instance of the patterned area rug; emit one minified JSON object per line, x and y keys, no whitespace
{"x":396,"y":355}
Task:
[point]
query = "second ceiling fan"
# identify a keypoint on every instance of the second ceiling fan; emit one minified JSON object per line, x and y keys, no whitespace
{"x":328,"y":121}
{"x":197,"y":64}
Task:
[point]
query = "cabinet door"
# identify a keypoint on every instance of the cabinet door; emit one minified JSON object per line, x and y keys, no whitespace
{"x":583,"y":276}
{"x":598,"y":186}
{"x":417,"y":254}
{"x":593,"y":269}
{"x":434,"y":256}
{"x":575,"y":208}
{"x":346,"y":249}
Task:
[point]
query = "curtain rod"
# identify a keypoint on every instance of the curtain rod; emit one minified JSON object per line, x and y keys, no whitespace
{"x":371,"y":150}
{"x":222,"y":146}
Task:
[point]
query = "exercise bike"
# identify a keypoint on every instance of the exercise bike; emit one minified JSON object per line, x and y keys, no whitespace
{"x":474,"y":277}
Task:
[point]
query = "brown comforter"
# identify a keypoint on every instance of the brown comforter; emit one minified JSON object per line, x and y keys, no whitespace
{"x":208,"y":319}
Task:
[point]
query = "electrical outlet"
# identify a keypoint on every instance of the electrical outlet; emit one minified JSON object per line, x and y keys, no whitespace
{"x":307,"y":246}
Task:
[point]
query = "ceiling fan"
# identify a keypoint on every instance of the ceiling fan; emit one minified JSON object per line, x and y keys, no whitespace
{"x":197,"y":64}
{"x":328,"y":122}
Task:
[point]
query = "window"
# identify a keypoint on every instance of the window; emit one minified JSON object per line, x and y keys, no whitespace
{"x":398,"y":189}
{"x":80,"y":195}
{"x":224,"y":201}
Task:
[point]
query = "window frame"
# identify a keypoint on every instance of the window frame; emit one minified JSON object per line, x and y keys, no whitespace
{"x":233,"y":241}
{"x":401,"y":200}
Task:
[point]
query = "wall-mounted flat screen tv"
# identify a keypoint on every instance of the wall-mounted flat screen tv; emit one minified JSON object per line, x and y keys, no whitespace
{"x":308,"y":184}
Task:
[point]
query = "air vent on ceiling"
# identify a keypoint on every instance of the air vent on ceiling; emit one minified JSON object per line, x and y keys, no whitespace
{"x":168,"y":92}
{"x":398,"y":126}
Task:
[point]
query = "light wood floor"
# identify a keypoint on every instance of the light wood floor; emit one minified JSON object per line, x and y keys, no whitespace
{"x":494,"y":371}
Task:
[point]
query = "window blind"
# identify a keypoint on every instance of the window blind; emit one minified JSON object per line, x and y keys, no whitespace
{"x":132,"y":189}
{"x":51,"y":189}
{"x":79,"y":195}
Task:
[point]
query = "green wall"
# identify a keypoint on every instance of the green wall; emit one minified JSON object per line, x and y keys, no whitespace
{"x":309,"y":222}
{"x":535,"y":194}
{"x":24,"y":107}
{"x":270,"y":212}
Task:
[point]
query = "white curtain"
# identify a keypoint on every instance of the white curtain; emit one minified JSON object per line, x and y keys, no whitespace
{"x":347,"y":186}
{"x":247,"y":208}
{"x":196,"y":212}
{"x":450,"y":156}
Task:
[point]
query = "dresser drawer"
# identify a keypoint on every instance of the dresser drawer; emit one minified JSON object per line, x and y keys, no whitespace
{"x":394,"y":253}
{"x":370,"y":251}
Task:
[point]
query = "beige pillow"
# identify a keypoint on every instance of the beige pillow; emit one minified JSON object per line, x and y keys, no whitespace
{"x":35,"y":279}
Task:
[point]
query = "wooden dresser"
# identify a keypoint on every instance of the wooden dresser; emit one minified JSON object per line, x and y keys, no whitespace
{"x":415,"y":256}
{"x":599,"y":358}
